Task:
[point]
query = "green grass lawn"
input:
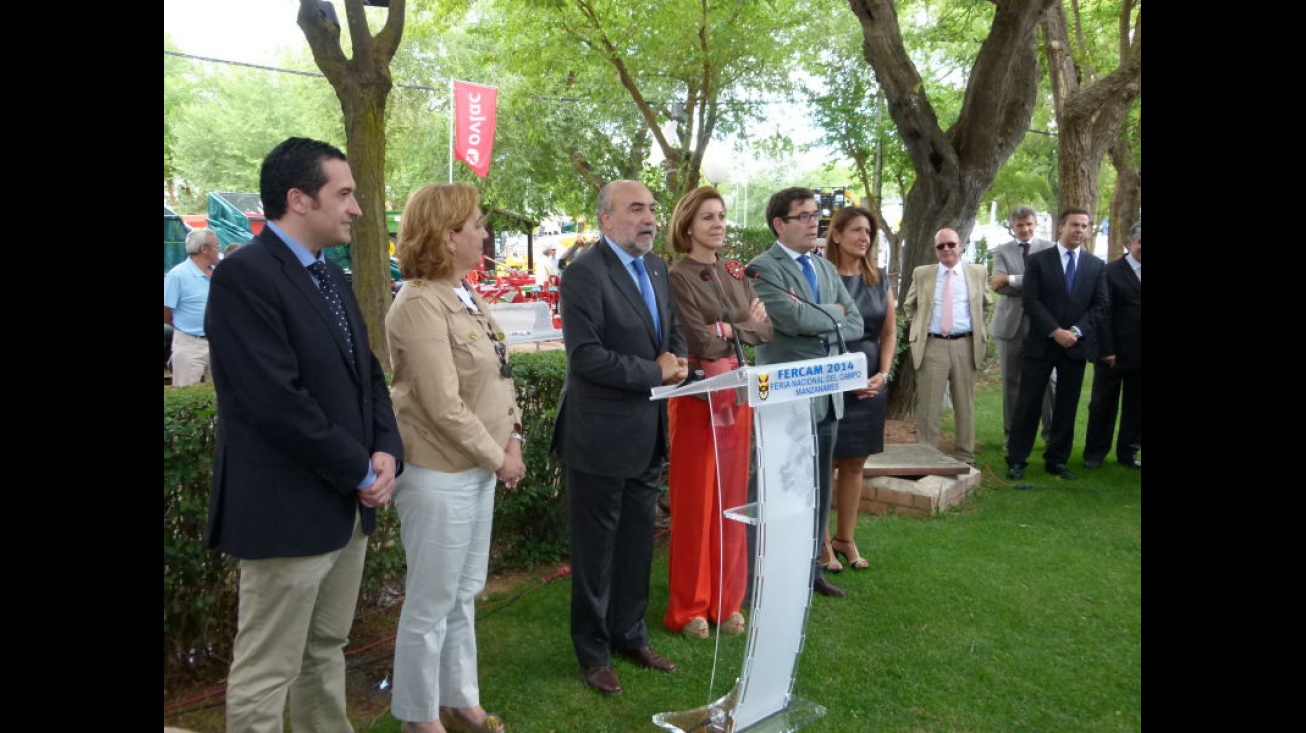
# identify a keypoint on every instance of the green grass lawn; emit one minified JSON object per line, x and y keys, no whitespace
{"x":1016,"y":611}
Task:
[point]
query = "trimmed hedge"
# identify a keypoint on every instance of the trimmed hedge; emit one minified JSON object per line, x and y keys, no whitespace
{"x":200,"y":586}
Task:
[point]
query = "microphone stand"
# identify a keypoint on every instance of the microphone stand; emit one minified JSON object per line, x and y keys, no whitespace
{"x":706,"y":275}
{"x":753,"y":272}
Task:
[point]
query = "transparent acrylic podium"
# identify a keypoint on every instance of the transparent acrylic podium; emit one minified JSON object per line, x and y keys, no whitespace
{"x":784,"y":454}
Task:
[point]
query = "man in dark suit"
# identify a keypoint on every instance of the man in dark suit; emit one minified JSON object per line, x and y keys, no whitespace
{"x":622,"y":338}
{"x":1066,"y":298}
{"x":307,"y":443}
{"x":801,"y":330}
{"x":1120,"y":341}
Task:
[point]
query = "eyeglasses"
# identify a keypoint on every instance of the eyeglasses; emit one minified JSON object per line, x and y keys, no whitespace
{"x":946,"y":245}
{"x":805,"y":217}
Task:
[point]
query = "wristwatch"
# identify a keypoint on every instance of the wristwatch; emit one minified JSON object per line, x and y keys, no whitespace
{"x":884,"y":376}
{"x":518,"y":437}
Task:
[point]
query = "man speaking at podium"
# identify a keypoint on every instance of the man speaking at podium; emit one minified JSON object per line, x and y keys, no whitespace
{"x":809,"y":308}
{"x":623,"y":338}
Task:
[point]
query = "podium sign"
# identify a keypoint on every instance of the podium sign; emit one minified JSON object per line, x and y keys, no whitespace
{"x":785,"y":451}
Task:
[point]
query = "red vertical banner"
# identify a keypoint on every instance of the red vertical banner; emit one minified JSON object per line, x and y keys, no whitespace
{"x":473,"y":139}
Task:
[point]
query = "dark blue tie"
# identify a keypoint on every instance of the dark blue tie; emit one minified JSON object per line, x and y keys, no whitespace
{"x":646,"y":290}
{"x":334,"y":302}
{"x":810,"y":274}
{"x":1070,"y":270}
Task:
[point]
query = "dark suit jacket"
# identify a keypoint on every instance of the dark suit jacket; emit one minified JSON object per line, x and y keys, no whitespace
{"x":1122,"y":333}
{"x":1050,"y":306}
{"x":298,"y":418}
{"x":606,"y":423}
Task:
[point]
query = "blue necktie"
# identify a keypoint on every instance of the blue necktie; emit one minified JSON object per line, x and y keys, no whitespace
{"x":646,"y":290}
{"x":1070,"y":271}
{"x":810,"y":274}
{"x":334,"y":302}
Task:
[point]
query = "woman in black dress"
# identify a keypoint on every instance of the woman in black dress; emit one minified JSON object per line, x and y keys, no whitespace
{"x":852,"y":247}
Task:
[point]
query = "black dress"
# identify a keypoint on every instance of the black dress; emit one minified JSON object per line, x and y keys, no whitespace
{"x":861,"y":430}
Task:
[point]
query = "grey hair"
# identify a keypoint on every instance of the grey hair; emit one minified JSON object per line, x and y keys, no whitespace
{"x":1136,"y":232}
{"x":196,"y":240}
{"x":1023,"y":212}
{"x":604,"y":203}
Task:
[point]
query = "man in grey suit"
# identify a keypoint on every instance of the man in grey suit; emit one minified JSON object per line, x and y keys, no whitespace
{"x":784,"y":278}
{"x":1010,"y":321}
{"x":623,"y":338}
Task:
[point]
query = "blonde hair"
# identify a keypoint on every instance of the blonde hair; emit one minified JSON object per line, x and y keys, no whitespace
{"x":431,"y":213}
{"x":686,"y":208}
{"x":835,"y":254}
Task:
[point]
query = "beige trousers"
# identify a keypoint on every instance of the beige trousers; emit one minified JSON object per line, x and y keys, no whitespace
{"x":294,"y":620}
{"x":948,"y":366}
{"x":190,"y":359}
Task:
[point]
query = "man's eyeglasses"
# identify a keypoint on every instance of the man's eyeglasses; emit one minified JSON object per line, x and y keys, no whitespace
{"x":946,"y":245}
{"x":805,"y":217}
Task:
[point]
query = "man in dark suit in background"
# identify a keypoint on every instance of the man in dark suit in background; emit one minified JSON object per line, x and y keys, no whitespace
{"x":1066,"y":298}
{"x":307,"y":444}
{"x":623,"y":339}
{"x":804,"y":331}
{"x":1120,"y":342}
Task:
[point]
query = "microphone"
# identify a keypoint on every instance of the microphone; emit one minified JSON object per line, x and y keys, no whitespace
{"x":754,"y":273}
{"x":706,"y":275}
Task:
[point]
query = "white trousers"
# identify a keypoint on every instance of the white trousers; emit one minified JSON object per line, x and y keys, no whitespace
{"x":444,"y":521}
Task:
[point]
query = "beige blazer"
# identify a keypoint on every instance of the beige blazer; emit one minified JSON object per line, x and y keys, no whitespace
{"x":920,"y":299}
{"x":455,"y":409}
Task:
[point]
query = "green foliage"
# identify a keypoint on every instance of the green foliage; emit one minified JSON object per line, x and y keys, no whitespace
{"x":199,"y":585}
{"x":745,"y":243}
{"x":530,"y":523}
{"x":225,"y":119}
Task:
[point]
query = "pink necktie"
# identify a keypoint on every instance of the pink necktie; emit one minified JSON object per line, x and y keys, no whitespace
{"x":946,"y":320}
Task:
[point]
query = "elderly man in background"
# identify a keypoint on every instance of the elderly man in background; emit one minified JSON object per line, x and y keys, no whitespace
{"x":948,"y":341}
{"x":185,"y":297}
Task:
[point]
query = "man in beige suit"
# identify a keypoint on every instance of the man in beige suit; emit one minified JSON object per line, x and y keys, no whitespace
{"x":948,"y":340}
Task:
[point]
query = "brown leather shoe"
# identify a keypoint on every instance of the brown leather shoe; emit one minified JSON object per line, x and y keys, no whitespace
{"x":822,"y":586}
{"x":601,"y":678}
{"x":649,"y":659}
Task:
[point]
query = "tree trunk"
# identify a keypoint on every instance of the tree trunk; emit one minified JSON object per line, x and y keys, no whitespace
{"x":1127,"y":198}
{"x":1089,"y":112}
{"x":953,"y":168}
{"x":363,"y":84}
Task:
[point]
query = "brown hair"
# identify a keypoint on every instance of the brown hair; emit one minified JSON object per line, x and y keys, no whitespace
{"x":431,"y":213}
{"x":686,"y":208}
{"x":834,"y":252}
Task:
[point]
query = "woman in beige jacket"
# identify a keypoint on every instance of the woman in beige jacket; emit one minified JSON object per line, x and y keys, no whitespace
{"x":454,"y":397}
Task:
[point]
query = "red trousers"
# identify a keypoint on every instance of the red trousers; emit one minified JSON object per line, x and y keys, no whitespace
{"x":708,"y":561}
